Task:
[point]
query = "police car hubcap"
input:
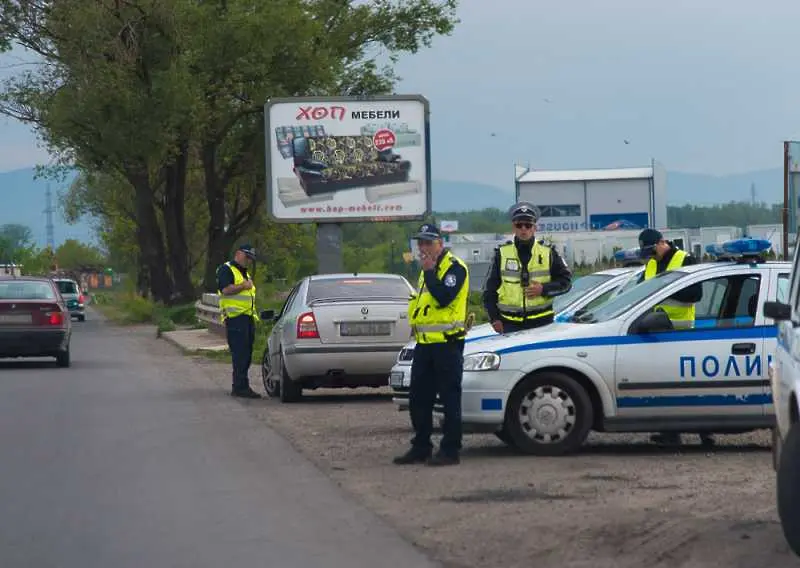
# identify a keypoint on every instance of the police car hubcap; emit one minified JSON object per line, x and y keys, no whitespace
{"x":547,"y":414}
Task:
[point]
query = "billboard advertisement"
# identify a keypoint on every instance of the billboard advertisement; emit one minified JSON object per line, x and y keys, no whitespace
{"x":793,"y":175}
{"x":340,"y":159}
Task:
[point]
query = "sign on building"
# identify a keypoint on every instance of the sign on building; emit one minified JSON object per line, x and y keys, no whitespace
{"x":341,"y":159}
{"x":448,"y":226}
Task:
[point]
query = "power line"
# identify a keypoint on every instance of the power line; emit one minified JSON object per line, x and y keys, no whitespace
{"x":49,"y":212}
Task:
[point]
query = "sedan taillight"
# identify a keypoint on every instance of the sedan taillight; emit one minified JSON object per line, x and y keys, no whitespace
{"x":55,"y":318}
{"x":307,"y":326}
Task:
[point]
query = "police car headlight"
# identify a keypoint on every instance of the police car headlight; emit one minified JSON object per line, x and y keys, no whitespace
{"x":482,"y":362}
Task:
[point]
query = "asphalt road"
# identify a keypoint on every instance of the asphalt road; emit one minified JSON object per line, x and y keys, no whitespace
{"x":121,"y":461}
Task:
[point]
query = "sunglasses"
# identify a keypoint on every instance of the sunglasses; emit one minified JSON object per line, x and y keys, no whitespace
{"x":523,"y":225}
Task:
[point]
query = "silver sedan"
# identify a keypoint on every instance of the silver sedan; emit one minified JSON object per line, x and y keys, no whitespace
{"x":336,"y":330}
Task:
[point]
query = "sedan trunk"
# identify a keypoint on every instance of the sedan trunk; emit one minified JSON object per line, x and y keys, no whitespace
{"x":362,"y":321}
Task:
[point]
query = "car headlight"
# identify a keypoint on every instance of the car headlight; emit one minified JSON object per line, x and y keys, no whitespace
{"x":482,"y":362}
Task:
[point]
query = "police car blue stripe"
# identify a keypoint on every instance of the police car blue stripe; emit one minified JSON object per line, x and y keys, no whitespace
{"x":693,"y":400}
{"x":756,"y":332}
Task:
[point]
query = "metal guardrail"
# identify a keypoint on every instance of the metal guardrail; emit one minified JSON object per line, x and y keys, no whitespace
{"x":207,"y":311}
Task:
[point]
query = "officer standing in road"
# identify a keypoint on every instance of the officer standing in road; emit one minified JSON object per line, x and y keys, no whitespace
{"x":437,"y":315}
{"x":662,"y":255}
{"x":524,"y":277}
{"x":238,"y":305}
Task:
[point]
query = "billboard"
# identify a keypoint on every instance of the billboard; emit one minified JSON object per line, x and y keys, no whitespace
{"x":793,"y":179}
{"x":348,"y":159}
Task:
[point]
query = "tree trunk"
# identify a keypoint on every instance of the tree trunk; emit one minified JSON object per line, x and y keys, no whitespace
{"x":175,"y":227}
{"x":151,"y":242}
{"x":218,"y":247}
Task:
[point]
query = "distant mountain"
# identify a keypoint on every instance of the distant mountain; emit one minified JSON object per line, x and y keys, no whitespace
{"x":703,"y":189}
{"x":23,"y":197}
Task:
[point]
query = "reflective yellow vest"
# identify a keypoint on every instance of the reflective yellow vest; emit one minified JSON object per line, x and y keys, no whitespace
{"x":511,"y":300}
{"x":681,"y":314}
{"x":238,"y":304}
{"x":432,"y":323}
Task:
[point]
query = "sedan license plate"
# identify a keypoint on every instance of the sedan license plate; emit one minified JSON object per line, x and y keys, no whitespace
{"x":15,"y":318}
{"x":362,"y":329}
{"x":396,"y":379}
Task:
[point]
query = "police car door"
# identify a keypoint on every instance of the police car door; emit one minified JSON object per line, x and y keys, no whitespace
{"x":711,"y":374}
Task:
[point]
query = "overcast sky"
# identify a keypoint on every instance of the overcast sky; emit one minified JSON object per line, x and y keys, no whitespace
{"x":702,"y":86}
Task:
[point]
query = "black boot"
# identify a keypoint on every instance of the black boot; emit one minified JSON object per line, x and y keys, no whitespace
{"x":412,"y":456}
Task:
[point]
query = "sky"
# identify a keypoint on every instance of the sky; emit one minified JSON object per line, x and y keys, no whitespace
{"x":704,"y":87}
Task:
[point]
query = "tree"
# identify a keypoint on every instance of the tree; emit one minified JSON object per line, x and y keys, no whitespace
{"x":15,"y":237}
{"x":144,"y":92}
{"x":73,"y":254}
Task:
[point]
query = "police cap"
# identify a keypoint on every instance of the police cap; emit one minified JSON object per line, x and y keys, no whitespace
{"x":524,"y":211}
{"x":428,"y":232}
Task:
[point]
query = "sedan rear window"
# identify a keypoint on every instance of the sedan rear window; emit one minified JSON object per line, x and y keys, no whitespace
{"x":26,"y":290}
{"x":358,"y":288}
{"x":66,"y":287}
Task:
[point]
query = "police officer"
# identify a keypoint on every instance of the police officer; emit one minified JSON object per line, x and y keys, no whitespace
{"x":524,"y":277}
{"x":662,"y":255}
{"x":437,"y":315}
{"x":238,"y":305}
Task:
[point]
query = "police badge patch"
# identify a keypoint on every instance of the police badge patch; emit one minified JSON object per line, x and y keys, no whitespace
{"x":450,"y":280}
{"x":512,"y":265}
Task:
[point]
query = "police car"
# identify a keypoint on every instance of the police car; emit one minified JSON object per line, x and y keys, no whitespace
{"x":623,"y":367}
{"x":586,"y":292}
{"x":784,"y":377}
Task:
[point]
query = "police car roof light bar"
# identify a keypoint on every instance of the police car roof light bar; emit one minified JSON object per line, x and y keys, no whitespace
{"x":628,"y":254}
{"x":746,"y":248}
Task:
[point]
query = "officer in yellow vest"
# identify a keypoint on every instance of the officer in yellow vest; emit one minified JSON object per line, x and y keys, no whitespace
{"x":437,"y":315}
{"x":661,"y":256}
{"x":238,"y":305}
{"x":524,"y":277}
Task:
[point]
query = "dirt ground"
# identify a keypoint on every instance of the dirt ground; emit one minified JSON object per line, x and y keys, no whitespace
{"x":621,"y":502}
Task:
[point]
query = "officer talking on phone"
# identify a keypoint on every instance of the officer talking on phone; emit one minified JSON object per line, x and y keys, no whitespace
{"x":438,"y":319}
{"x":524,"y":277}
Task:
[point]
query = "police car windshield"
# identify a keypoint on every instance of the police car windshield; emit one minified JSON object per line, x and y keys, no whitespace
{"x":625,"y":301}
{"x":580,"y":287}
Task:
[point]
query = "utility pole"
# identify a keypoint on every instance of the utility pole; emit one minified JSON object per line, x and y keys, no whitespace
{"x":49,"y":212}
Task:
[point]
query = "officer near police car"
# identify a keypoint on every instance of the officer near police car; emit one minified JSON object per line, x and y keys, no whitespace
{"x":237,"y":302}
{"x":662,"y":255}
{"x":438,"y":318}
{"x":524,"y":277}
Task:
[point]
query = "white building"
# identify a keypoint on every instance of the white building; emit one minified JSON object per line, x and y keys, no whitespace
{"x":588,"y":200}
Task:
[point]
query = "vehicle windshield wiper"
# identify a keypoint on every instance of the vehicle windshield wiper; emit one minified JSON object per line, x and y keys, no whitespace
{"x":582,"y":316}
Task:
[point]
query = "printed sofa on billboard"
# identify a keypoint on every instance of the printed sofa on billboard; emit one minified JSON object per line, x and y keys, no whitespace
{"x":383,"y":192}
{"x":327,"y":164}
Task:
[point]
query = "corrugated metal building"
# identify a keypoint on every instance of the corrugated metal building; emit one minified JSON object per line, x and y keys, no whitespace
{"x":587,"y":200}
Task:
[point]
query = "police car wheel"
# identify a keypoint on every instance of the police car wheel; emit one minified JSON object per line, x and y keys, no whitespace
{"x":548,"y":414}
{"x":776,"y":449}
{"x":272,"y":386}
{"x":788,"y":490}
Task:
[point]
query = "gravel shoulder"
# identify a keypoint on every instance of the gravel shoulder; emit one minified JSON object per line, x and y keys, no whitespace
{"x":621,"y":502}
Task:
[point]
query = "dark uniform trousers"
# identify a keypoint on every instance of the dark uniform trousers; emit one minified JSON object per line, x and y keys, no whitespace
{"x":437,"y":369}
{"x":240,"y":331}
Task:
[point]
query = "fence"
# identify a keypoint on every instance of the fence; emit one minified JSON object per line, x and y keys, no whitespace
{"x":208,"y":312}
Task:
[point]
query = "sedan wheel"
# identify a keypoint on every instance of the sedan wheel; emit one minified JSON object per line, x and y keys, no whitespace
{"x":272,"y":386}
{"x":788,"y":490}
{"x":548,"y":414}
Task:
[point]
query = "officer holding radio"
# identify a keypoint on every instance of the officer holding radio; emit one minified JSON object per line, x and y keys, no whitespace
{"x":524,"y":277}
{"x":438,"y":317}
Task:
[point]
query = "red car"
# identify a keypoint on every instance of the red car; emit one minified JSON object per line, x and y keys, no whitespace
{"x":34,"y":320}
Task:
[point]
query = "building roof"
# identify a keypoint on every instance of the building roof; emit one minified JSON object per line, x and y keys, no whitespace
{"x":586,"y":175}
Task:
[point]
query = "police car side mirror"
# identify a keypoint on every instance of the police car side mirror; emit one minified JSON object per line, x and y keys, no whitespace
{"x":268,"y":315}
{"x":777,"y":311}
{"x":653,"y":322}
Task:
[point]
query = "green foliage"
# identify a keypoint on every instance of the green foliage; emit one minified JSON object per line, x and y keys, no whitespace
{"x":72,"y":255}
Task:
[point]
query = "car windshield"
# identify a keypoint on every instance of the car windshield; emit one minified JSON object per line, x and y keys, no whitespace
{"x":26,"y":290}
{"x":358,"y":288}
{"x":579,"y":287}
{"x":66,"y":287}
{"x":625,"y":301}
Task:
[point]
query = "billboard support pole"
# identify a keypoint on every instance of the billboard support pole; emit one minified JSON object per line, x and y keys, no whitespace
{"x":786,"y":201}
{"x":329,"y":248}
